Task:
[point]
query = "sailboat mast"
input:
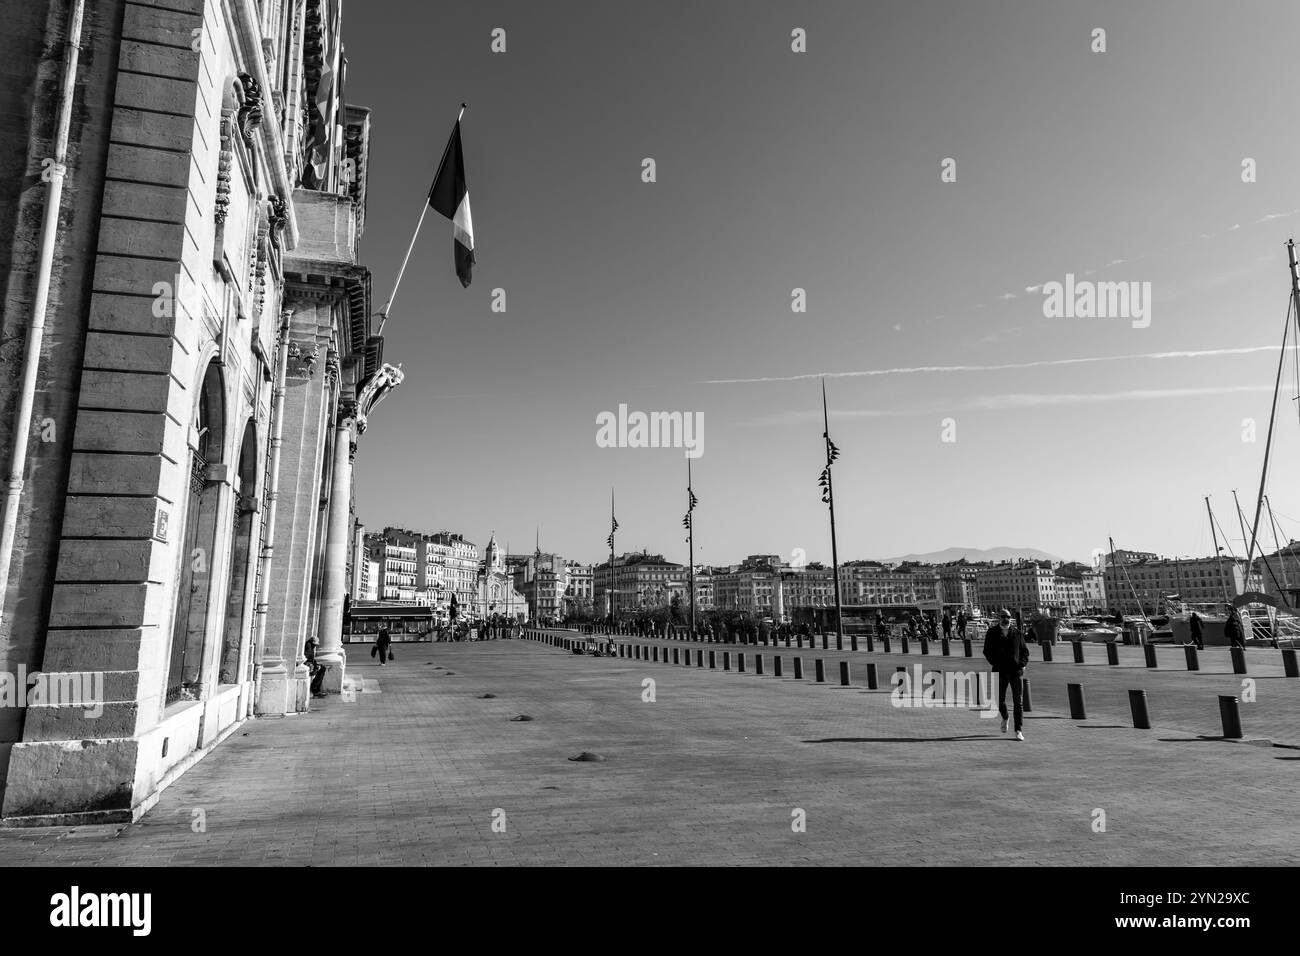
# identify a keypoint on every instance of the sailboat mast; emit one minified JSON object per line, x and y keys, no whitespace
{"x":1218,"y":552}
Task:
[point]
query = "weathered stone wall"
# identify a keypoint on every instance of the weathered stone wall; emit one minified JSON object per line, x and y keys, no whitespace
{"x":30,"y":72}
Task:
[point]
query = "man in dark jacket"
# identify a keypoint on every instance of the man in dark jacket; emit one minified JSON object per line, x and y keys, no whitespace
{"x":1198,"y":631}
{"x":1006,"y":651}
{"x":1233,"y":629}
{"x":381,"y":645}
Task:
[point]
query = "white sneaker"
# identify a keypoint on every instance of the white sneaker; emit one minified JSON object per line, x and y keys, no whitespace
{"x":1019,"y":735}
{"x":1004,"y":725}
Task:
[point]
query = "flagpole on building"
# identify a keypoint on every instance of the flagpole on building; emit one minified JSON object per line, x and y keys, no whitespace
{"x":424,"y":211}
{"x":830,"y":496}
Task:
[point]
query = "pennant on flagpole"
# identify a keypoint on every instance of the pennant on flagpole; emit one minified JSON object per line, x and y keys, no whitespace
{"x":449,"y":197}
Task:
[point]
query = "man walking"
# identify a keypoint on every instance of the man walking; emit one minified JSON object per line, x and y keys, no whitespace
{"x":381,"y":645}
{"x":947,"y":625}
{"x":961,"y":624}
{"x":1198,"y":631}
{"x":1233,"y":629}
{"x":1006,"y":651}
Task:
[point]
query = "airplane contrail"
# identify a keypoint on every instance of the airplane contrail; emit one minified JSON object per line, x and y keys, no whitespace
{"x":1009,"y":366}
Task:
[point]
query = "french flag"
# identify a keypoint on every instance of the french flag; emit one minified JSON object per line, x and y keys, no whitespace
{"x":450,"y":197}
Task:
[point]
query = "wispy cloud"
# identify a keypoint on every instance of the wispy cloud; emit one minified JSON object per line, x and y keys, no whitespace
{"x":1009,"y":366}
{"x":1009,"y":402}
{"x":1040,"y":400}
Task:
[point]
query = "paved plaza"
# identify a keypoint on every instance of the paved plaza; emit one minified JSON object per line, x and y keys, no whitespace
{"x":422,"y":767}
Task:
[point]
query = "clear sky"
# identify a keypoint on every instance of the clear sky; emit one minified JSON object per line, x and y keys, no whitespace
{"x":820,"y":170}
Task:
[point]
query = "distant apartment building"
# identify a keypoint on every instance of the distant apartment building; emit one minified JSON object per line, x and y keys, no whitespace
{"x":957,"y":583}
{"x":1136,"y":587}
{"x":543,"y":580}
{"x":579,"y":596}
{"x":1080,"y":587}
{"x":873,"y":584}
{"x":1279,"y":572}
{"x":1026,"y":586}
{"x":811,"y":585}
{"x":753,"y":587}
{"x":704,"y":600}
{"x":395,"y":555}
{"x":635,"y":581}
{"x":458,"y":561}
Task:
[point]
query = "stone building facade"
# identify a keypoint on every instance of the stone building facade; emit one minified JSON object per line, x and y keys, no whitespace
{"x":184,"y":520}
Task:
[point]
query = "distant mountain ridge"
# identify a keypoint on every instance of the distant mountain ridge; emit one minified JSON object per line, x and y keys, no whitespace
{"x":977,"y":554}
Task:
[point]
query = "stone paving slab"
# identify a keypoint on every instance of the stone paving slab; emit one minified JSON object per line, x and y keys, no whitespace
{"x":709,"y":773}
{"x":1177,"y":699}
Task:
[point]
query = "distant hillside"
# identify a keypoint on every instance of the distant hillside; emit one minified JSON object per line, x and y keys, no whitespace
{"x":977,"y":554}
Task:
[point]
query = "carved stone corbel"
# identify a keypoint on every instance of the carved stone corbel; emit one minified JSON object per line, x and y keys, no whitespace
{"x":250,"y":110}
{"x":302,"y":359}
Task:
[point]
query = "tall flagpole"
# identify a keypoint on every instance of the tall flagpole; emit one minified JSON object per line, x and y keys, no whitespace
{"x":611,"y":556}
{"x":690,"y":528}
{"x":423,"y":212}
{"x":830,"y":495}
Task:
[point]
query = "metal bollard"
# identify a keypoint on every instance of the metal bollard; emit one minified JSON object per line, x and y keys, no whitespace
{"x":925,"y":646}
{"x":713,"y":660}
{"x":1026,"y":702}
{"x":1047,"y":653}
{"x":905,"y":644}
{"x":873,"y":679}
{"x":844,"y":673}
{"x":798,"y":668}
{"x":1150,"y":651}
{"x":758,"y":664}
{"x":699,"y":658}
{"x":853,"y":642}
{"x":821,"y":671}
{"x":740,"y":662}
{"x":654,"y":652}
{"x":966,"y":647}
{"x":1078,"y":651}
{"x":825,"y":641}
{"x":884,"y":645}
{"x":799,"y":640}
{"x":871,"y":643}
{"x":1230,"y":717}
{"x":839,"y":641}
{"x":946,"y":647}
{"x":776,"y":666}
{"x":1137,"y":704}
{"x":1238,"y":659}
{"x":1078,"y":707}
{"x":787,"y":640}
{"x":726,"y":660}
{"x":675,"y":655}
{"x":1193,"y":659}
{"x":1112,"y":653}
{"x":1290,"y":666}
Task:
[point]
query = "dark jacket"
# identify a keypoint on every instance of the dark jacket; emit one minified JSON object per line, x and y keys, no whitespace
{"x":1197,"y":627}
{"x":383,"y":640}
{"x":1009,"y":654}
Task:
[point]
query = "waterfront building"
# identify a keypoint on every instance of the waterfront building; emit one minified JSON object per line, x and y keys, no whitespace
{"x":1140,"y":586}
{"x":1026,"y":586}
{"x":636,"y":581}
{"x":208,"y":364}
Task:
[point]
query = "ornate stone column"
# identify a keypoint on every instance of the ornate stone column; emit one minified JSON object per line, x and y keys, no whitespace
{"x":335,"y":584}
